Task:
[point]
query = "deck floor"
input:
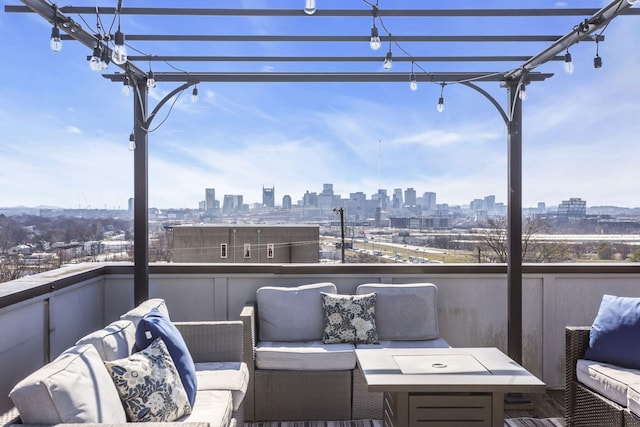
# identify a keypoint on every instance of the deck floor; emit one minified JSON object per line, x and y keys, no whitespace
{"x":547,"y":405}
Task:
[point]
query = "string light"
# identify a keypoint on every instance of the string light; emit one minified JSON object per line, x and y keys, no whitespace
{"x":132,"y":142}
{"x":440,"y":106}
{"x":522,"y":93}
{"x":597,"y":61}
{"x":194,"y":94}
{"x":632,"y":2}
{"x":119,"y":55}
{"x":56,"y":42}
{"x":151,"y":80}
{"x":310,"y":7}
{"x":413,"y":84}
{"x":95,"y":60}
{"x":126,"y":86}
{"x":375,"y":43}
{"x":388,"y":60}
{"x":568,"y":63}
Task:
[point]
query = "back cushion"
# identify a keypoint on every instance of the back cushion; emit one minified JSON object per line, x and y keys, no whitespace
{"x":405,"y":312}
{"x":144,"y":308}
{"x":74,"y":388}
{"x":116,"y":341}
{"x":292,"y":314}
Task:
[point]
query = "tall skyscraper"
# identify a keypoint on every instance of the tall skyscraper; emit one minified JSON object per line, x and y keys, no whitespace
{"x":409,"y":197}
{"x":268,"y":197}
{"x":429,"y":201}
{"x":397,"y":198}
{"x":209,"y":199}
{"x":286,"y":202}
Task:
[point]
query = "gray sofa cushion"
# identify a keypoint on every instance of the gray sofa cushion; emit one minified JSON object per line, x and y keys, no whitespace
{"x":305,"y":356}
{"x":291,"y":314}
{"x":404,"y":312}
{"x":437,"y":343}
{"x":116,"y":341}
{"x":233,"y":376}
{"x":211,"y":406}
{"x":73,"y":388}
{"x":633,"y":399}
{"x":609,"y":380}
{"x":137,"y":313}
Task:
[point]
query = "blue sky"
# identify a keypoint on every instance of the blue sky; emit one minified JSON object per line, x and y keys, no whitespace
{"x":64,"y":139}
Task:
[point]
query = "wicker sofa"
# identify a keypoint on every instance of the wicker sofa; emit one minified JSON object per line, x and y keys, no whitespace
{"x":595,"y":404}
{"x":296,"y":376}
{"x":76,"y":388}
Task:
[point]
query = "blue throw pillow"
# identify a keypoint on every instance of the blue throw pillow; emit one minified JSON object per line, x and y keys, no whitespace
{"x":156,"y":325}
{"x":615,"y":333}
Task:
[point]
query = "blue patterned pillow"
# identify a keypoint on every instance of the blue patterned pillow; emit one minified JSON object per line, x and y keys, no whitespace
{"x":149,"y":385}
{"x":349,"y":319}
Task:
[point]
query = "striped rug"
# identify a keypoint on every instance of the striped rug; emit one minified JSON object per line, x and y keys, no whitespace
{"x":512,"y":422}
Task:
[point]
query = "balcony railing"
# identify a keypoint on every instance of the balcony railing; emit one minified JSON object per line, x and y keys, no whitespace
{"x":42,"y":315}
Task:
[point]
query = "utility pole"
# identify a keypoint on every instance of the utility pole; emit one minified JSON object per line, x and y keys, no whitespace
{"x":341,"y":212}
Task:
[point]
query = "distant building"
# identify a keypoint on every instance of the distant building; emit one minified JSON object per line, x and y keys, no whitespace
{"x":232,"y":203}
{"x":396,"y":201}
{"x":246,"y":243}
{"x":490,"y":203}
{"x":131,"y":204}
{"x":429,"y":201}
{"x":209,"y":199}
{"x":574,"y":207}
{"x":310,"y":199}
{"x":286,"y":202}
{"x":268,"y":197}
{"x":409,"y":197}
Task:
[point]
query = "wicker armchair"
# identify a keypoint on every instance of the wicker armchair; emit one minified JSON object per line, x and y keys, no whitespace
{"x":584,"y":407}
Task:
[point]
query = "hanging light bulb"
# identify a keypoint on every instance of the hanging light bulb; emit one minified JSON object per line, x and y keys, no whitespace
{"x":375,"y":38}
{"x":126,"y":88}
{"x":413,"y":83}
{"x":597,"y":61}
{"x":104,"y":59}
{"x":151,"y":80}
{"x":632,"y":2}
{"x":440,"y":106}
{"x":119,"y":54}
{"x":194,"y":94}
{"x":94,"y":62}
{"x":56,"y":42}
{"x":522,"y":94}
{"x":388,"y":61}
{"x":310,"y":7}
{"x":132,"y":142}
{"x":568,"y":63}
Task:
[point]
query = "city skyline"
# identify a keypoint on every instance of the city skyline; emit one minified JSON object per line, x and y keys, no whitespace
{"x":66,"y":128}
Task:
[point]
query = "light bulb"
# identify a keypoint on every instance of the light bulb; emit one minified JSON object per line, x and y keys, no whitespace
{"x":375,"y":39}
{"x":56,"y":43}
{"x":388,"y":61}
{"x":522,"y":94}
{"x":568,"y":63}
{"x":440,"y":106}
{"x":119,"y":54}
{"x":632,"y":2}
{"x":310,"y":7}
{"x":413,"y":84}
{"x":125,"y":86}
{"x":94,"y":62}
{"x":597,"y":62}
{"x":151,"y":80}
{"x":194,"y":95}
{"x":132,"y":142}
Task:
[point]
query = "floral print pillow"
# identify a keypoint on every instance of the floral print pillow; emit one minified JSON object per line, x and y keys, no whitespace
{"x":349,"y":318}
{"x":149,"y":385}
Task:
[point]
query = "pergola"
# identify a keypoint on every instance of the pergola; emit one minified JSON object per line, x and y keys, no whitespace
{"x":514,"y":73}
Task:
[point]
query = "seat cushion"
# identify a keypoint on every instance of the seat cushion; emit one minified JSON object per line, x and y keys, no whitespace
{"x":211,"y":406}
{"x":73,"y":388}
{"x":149,"y":385}
{"x":137,"y":313}
{"x":157,"y":325}
{"x":305,"y":356}
{"x":291,"y":314}
{"x":404,"y":312}
{"x":633,"y":399}
{"x":609,"y":380}
{"x":437,"y":343}
{"x":232,"y":376}
{"x":116,"y":341}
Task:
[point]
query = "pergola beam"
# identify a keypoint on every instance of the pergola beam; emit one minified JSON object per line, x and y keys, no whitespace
{"x":245,"y":58}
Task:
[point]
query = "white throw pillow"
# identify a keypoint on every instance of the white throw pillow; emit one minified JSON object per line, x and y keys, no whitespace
{"x":74,"y":388}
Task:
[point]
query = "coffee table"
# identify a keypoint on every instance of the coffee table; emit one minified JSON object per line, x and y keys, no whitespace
{"x":444,"y":386}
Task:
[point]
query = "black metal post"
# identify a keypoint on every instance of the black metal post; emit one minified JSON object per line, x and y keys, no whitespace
{"x":141,"y":194}
{"x":341,"y":212}
{"x":514,"y":222}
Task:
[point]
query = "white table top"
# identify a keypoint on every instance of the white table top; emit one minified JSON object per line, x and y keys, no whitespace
{"x":484,"y":369}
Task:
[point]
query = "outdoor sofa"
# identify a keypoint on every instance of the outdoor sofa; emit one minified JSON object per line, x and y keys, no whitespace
{"x":602,"y":385}
{"x":300,"y":346}
{"x":101,"y":379}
